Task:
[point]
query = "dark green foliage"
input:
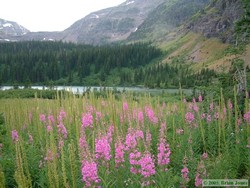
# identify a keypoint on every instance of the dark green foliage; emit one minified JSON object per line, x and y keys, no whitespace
{"x":28,"y":93}
{"x":242,"y":28}
{"x":67,"y":63}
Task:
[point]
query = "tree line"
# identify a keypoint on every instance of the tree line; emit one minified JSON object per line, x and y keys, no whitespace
{"x":60,"y":63}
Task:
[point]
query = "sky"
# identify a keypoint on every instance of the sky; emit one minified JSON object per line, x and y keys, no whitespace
{"x":50,"y":15}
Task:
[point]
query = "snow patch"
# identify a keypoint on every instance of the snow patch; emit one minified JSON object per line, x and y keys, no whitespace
{"x":7,"y":25}
{"x":95,"y":16}
{"x":130,"y":2}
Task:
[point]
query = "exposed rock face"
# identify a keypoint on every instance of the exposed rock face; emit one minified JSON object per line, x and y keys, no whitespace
{"x":218,"y":19}
{"x":112,"y":24}
{"x":9,"y":29}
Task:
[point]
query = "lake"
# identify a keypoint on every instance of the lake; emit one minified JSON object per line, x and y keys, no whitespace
{"x":82,"y":89}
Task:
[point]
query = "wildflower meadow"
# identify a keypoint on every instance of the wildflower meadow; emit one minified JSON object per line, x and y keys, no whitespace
{"x":96,"y":141}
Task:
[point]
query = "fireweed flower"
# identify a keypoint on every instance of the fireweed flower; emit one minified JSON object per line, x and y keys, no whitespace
{"x":130,"y":141}
{"x":51,"y":119}
{"x":98,"y":116}
{"x":90,"y":173}
{"x":42,"y":118}
{"x":204,"y":156}
{"x":125,"y":106}
{"x":14,"y":135}
{"x":189,"y":117}
{"x":61,"y":115}
{"x":140,"y":116}
{"x":62,"y":130}
{"x":209,"y":118}
{"x":30,"y":138}
{"x":150,"y":114}
{"x":147,"y":166}
{"x":87,"y":120}
{"x":119,"y":153}
{"x":134,"y":159}
{"x":163,"y":153}
{"x":200,"y":98}
{"x":203,"y":116}
{"x":49,"y":156}
{"x":102,"y":148}
{"x":195,"y":108}
{"x":230,"y":105}
{"x":49,"y":128}
{"x":185,"y":172}
{"x":201,"y":172}
{"x":198,"y":180}
{"x":247,"y":117}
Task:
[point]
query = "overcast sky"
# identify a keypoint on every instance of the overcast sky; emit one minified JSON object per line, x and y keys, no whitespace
{"x":50,"y":15}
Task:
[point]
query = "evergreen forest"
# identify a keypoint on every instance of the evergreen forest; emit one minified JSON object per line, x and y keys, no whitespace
{"x":58,"y":63}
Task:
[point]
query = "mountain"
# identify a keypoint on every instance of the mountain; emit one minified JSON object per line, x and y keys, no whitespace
{"x":157,"y":21}
{"x":111,"y":24}
{"x":218,"y":19}
{"x":208,"y":38}
{"x":9,"y":29}
{"x":167,"y":17}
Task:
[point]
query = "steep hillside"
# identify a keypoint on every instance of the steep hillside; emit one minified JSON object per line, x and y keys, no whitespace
{"x":9,"y":29}
{"x":112,"y":24}
{"x":166,"y":18}
{"x":209,"y":38}
{"x":218,"y":19}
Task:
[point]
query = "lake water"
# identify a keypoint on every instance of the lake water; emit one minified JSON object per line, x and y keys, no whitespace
{"x":82,"y":89}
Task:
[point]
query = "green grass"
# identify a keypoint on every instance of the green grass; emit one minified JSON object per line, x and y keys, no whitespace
{"x":23,"y":162}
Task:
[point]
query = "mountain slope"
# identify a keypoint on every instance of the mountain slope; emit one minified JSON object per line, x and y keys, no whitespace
{"x":166,"y":18}
{"x":112,"y":24}
{"x":9,"y":29}
{"x":207,"y":40}
{"x":218,"y":19}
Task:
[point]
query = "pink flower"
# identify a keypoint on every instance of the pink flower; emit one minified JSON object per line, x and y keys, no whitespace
{"x":42,"y":118}
{"x":14,"y":135}
{"x":179,"y":131}
{"x":119,"y":153}
{"x":204,"y":155}
{"x":203,"y":116}
{"x":98,"y":116}
{"x":140,"y":116}
{"x":147,"y":166}
{"x":49,"y":156}
{"x":82,"y":142}
{"x":198,"y":180}
{"x":196,"y":108}
{"x":61,"y":115}
{"x":90,"y":173}
{"x":125,"y":106}
{"x":51,"y":119}
{"x":134,"y":158}
{"x":30,"y":138}
{"x":185,"y":172}
{"x":49,"y":128}
{"x":200,"y":98}
{"x":209,"y":118}
{"x":189,"y":117}
{"x":62,"y":130}
{"x":163,"y":153}
{"x":150,"y":114}
{"x":60,"y":144}
{"x":87,"y":120}
{"x":247,"y":117}
{"x":230,"y":105}
{"x":102,"y":148}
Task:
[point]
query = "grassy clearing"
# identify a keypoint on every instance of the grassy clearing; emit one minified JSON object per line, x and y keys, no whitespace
{"x":121,"y":141}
